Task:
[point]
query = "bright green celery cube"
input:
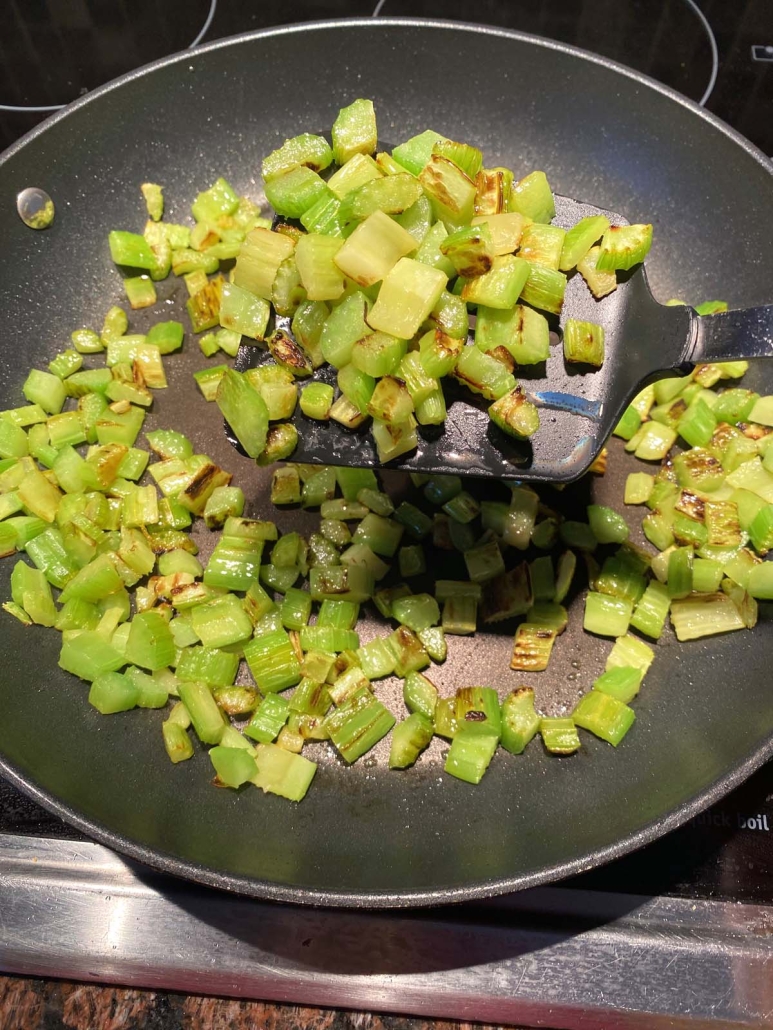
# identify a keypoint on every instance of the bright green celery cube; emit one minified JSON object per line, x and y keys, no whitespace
{"x":407,"y":296}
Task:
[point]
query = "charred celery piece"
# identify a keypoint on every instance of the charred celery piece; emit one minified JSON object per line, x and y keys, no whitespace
{"x":392,"y":440}
{"x":439,"y":352}
{"x":408,"y":651}
{"x":520,"y":721}
{"x":522,"y":331}
{"x":450,"y":190}
{"x":358,"y":725}
{"x":507,"y":595}
{"x":532,"y":647}
{"x":624,"y":246}
{"x":341,"y":582}
{"x":584,"y":343}
{"x":506,"y":230}
{"x":515,"y":415}
{"x":483,"y":374}
{"x":378,"y":354}
{"x":501,"y":286}
{"x":470,"y":250}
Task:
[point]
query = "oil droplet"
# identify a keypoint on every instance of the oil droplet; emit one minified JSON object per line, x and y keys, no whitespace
{"x":35,"y":207}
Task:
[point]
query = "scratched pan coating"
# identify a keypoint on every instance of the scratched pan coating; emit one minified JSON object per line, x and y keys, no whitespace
{"x":365,"y":836}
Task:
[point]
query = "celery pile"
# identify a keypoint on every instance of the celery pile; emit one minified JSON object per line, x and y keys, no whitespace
{"x":372,"y":267}
{"x":258,"y":651}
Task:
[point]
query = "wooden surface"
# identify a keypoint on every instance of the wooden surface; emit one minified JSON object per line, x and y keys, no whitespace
{"x":28,"y":1004}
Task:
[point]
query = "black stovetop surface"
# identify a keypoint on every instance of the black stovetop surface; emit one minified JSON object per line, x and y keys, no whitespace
{"x":52,"y":52}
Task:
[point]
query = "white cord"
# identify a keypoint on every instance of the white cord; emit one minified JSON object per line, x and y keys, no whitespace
{"x":58,"y":107}
{"x":377,"y":8}
{"x":714,"y":52}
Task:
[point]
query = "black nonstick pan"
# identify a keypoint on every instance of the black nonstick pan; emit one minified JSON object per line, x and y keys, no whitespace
{"x":365,"y":835}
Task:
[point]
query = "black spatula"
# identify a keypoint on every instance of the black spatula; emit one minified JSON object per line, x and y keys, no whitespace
{"x":644,"y":340}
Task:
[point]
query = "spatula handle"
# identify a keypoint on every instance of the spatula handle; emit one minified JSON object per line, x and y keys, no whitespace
{"x":731,"y":335}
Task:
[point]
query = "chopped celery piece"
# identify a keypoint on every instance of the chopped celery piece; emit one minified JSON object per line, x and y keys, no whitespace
{"x":354,"y":131}
{"x":579,"y":240}
{"x":608,"y":527}
{"x":604,"y":715}
{"x":176,"y":741}
{"x":245,"y":410}
{"x":272,"y":661}
{"x":112,"y":692}
{"x":624,"y":246}
{"x":533,"y":197}
{"x":701,"y":615}
{"x":268,"y":719}
{"x":515,"y":414}
{"x":484,"y":562}
{"x":584,"y":343}
{"x":315,"y":257}
{"x":282,"y":772}
{"x":606,"y":615}
{"x":316,"y":400}
{"x":373,"y":250}
{"x":293,"y":193}
{"x":243,"y":312}
{"x":521,"y":330}
{"x":407,"y":296}
{"x":629,"y":651}
{"x":310,"y":151}
{"x":520,"y":721}
{"x":621,"y":682}
{"x":234,"y":766}
{"x":470,"y":754}
{"x":358,"y":725}
{"x":651,"y":612}
{"x":559,"y":735}
{"x":88,"y":655}
{"x":485,"y":375}
{"x":532,"y":647}
{"x":409,"y":739}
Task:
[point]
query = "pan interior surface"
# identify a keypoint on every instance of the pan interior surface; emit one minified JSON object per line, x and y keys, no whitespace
{"x":365,"y":835}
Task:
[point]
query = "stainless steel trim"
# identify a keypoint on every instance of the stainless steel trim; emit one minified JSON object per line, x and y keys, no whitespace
{"x":549,"y":956}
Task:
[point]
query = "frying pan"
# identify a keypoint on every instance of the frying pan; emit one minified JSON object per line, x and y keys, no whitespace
{"x":365,"y":836}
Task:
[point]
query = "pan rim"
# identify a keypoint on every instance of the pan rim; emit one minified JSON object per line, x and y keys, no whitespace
{"x":404,"y":898}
